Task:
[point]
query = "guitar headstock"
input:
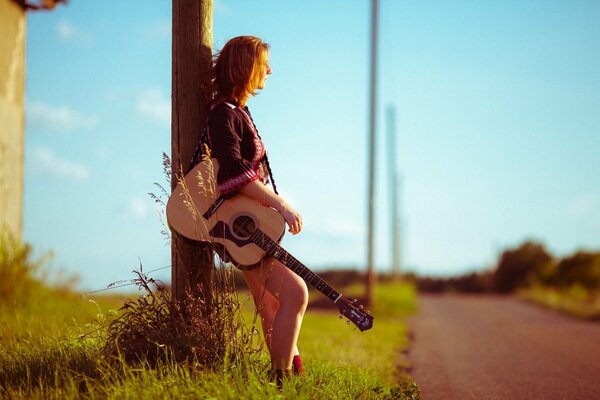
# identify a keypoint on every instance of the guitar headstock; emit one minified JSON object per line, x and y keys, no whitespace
{"x":355,"y":313}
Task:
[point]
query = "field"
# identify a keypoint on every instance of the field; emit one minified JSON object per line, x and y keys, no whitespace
{"x":50,"y":347}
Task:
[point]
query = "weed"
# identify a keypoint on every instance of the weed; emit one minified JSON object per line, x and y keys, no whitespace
{"x":200,"y":331}
{"x":18,"y":271}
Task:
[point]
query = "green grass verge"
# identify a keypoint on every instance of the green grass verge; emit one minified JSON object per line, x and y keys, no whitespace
{"x":574,"y":300}
{"x":42,"y":356}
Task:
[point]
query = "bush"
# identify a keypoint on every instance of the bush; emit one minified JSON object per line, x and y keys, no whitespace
{"x":582,"y":268}
{"x":474,"y":282}
{"x":18,"y":271}
{"x":205,"y":330}
{"x":519,"y":266}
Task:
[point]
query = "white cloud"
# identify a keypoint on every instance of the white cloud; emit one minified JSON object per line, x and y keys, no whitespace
{"x":103,"y":152}
{"x":584,"y":205}
{"x":67,"y":32}
{"x":45,"y":161}
{"x":344,"y":228}
{"x":154,"y":105}
{"x":219,"y":7}
{"x":158,"y":30}
{"x":136,"y":172}
{"x":57,"y":118}
{"x":138,"y":208}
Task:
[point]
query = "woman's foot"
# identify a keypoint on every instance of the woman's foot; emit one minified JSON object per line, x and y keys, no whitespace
{"x":297,"y":367}
{"x":278,"y":376}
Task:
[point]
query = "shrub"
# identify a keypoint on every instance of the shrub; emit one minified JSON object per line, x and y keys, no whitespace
{"x":18,"y":280}
{"x":205,"y":330}
{"x":518,"y":266}
{"x":473,"y":282}
{"x":582,"y":268}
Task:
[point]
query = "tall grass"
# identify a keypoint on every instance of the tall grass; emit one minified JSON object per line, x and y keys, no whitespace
{"x":32,"y":310}
{"x":341,"y":363}
{"x":56,"y":348}
{"x":18,"y":271}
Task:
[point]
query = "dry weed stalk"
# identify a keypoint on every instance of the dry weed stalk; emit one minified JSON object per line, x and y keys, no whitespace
{"x":159,"y":199}
{"x":206,"y":186}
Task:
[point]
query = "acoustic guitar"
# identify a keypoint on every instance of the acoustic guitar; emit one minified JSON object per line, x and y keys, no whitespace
{"x":248,"y":230}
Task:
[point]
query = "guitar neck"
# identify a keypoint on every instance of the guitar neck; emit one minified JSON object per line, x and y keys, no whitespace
{"x":280,"y":254}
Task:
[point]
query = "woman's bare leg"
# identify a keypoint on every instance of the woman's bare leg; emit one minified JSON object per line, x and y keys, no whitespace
{"x":266,"y":304}
{"x":291,"y":292}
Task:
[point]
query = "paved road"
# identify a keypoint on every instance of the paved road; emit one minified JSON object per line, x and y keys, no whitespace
{"x":492,"y":347}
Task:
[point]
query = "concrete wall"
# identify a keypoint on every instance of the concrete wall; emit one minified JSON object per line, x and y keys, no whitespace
{"x":12,"y":116}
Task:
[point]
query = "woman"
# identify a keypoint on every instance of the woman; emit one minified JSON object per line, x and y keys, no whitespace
{"x":241,"y":68}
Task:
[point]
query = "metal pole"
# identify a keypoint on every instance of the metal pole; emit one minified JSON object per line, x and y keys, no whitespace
{"x":393,"y":182}
{"x":370,"y":281}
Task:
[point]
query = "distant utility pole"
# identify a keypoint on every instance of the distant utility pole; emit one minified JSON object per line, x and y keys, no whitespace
{"x":394,"y":191}
{"x":370,"y":281}
{"x":192,"y":262}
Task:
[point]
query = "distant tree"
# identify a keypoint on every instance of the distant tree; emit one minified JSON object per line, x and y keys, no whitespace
{"x":474,"y":282}
{"x":582,"y":268}
{"x":517,"y":267}
{"x":432,"y":284}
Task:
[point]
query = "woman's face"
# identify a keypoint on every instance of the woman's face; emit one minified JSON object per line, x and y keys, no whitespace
{"x":263,"y":72}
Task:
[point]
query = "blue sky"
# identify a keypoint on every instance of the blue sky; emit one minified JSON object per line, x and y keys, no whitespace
{"x":498,"y":128}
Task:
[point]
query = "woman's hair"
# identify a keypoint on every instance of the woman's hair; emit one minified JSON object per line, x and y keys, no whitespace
{"x":237,"y":67}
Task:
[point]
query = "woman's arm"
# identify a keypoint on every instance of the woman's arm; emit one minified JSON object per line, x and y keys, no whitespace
{"x":258,"y":191}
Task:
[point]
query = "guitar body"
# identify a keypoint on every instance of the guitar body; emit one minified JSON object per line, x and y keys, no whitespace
{"x":189,"y":214}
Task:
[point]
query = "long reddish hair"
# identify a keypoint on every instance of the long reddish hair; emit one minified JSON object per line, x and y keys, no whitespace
{"x":237,"y":68}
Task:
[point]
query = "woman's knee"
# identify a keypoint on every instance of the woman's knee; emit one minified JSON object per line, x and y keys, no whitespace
{"x":267,"y":305}
{"x":295,"y":296}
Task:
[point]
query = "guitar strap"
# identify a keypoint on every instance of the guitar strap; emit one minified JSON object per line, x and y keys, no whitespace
{"x":213,"y":208}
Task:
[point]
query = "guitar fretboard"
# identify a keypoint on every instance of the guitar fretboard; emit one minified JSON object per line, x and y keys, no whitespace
{"x":280,"y":254}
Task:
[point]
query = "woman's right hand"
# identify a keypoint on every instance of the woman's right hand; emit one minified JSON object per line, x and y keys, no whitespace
{"x":259,"y":192}
{"x":292,"y":218}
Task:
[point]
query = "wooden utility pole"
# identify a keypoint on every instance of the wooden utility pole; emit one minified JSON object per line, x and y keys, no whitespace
{"x":13,"y":35}
{"x":370,"y":282}
{"x":192,"y":262}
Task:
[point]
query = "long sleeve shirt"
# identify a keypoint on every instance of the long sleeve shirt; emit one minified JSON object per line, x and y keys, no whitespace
{"x":235,"y":143}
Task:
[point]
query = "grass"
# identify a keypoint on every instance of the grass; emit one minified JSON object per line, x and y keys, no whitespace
{"x":44,"y":355}
{"x":53,"y":314}
{"x":573,"y":300}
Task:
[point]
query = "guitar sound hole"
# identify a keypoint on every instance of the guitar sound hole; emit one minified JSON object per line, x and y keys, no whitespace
{"x":244,"y":226}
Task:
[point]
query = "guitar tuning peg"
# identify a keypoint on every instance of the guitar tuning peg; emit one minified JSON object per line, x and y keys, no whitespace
{"x":347,"y":322}
{"x":340,"y":316}
{"x":361,"y":307}
{"x":355,"y":301}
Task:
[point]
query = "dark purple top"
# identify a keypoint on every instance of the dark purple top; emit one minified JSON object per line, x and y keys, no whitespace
{"x":235,"y":143}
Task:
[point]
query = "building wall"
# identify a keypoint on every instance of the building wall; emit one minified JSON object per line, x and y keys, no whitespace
{"x":12,"y":116}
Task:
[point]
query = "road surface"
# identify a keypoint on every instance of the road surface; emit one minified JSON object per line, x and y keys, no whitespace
{"x":495,"y":347}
